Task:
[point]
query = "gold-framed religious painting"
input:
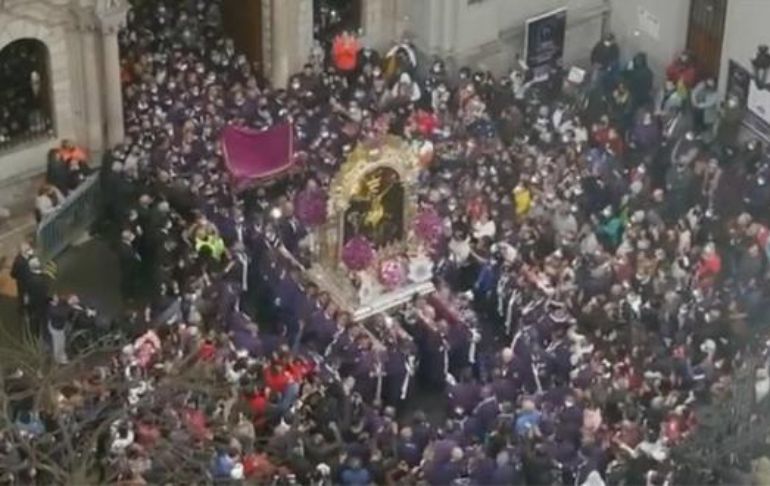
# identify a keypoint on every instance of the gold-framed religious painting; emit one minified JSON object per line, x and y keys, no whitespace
{"x":376,"y":209}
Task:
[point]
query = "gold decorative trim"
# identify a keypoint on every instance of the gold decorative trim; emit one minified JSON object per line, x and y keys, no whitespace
{"x":391,"y":152}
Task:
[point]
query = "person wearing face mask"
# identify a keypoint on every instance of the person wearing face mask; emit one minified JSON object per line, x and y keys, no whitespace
{"x":705,"y":100}
{"x":605,"y":57}
{"x":683,"y":72}
{"x":645,"y":135}
{"x":669,"y":102}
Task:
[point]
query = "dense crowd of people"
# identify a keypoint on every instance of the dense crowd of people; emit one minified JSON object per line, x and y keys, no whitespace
{"x":603,"y":271}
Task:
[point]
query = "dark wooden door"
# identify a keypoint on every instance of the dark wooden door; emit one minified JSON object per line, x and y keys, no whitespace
{"x":243,"y":22}
{"x":705,"y":34}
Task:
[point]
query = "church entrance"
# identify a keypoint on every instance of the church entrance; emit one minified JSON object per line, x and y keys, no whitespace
{"x":242,"y":21}
{"x":334,"y":16}
{"x":25,"y":92}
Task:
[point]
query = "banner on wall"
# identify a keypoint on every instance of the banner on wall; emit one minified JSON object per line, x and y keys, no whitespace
{"x":544,"y":41}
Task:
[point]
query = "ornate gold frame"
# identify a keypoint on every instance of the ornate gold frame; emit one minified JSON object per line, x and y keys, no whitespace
{"x":391,"y":152}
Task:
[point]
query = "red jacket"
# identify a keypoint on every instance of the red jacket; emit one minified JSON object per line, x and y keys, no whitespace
{"x":277,"y":381}
{"x":708,"y":269}
{"x":207,"y":351}
{"x":195,"y":421}
{"x":257,"y":404}
{"x":300,"y":370}
{"x":686,"y":73}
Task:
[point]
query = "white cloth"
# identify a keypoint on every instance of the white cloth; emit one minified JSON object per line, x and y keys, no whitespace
{"x":244,"y":270}
{"x":410,"y":369}
{"x":594,"y":479}
{"x":488,"y":229}
{"x":58,"y":342}
{"x":461,"y":250}
{"x":44,"y":205}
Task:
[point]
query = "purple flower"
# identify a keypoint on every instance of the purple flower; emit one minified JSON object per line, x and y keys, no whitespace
{"x":392,"y":273}
{"x":310,"y":207}
{"x":358,"y":253}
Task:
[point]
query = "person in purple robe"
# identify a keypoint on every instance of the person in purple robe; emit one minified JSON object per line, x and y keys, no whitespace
{"x":407,"y":449}
{"x":645,"y":135}
{"x":245,"y":335}
{"x":504,"y":387}
{"x":288,"y":295}
{"x":319,"y":331}
{"x":365,"y":370}
{"x":433,"y":358}
{"x":481,"y":469}
{"x":487,"y":410}
{"x":458,"y":338}
{"x":505,"y":470}
{"x":466,"y":394}
{"x":442,"y":473}
{"x":396,"y":370}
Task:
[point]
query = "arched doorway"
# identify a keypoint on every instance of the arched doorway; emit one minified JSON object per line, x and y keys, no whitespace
{"x":25,"y":92}
{"x":334,"y":16}
{"x":243,"y":22}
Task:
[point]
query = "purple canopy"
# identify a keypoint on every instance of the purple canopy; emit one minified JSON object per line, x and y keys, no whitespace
{"x":256,"y":156}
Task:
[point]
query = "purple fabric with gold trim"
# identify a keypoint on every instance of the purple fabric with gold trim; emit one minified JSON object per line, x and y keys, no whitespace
{"x":253,"y":156}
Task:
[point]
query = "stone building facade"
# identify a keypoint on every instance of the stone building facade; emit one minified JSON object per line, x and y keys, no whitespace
{"x":84,"y":67}
{"x":84,"y":73}
{"x":478,"y":33}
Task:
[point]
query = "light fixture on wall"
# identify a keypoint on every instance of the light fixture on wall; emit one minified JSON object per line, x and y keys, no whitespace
{"x":761,"y":65}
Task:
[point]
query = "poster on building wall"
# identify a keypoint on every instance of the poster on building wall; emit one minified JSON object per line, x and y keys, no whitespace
{"x":544,"y":41}
{"x":649,"y":23}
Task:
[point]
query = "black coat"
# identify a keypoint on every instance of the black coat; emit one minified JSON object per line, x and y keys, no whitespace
{"x":38,"y":292}
{"x":20,"y":272}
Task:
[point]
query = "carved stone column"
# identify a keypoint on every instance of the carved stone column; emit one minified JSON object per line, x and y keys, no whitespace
{"x":383,"y":22}
{"x":89,"y":36}
{"x":112,"y":16}
{"x":291,"y":39}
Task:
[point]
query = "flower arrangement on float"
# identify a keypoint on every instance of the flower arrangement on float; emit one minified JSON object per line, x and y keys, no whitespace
{"x":392,"y":272}
{"x":358,"y":253}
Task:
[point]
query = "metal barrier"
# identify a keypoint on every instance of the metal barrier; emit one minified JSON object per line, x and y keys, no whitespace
{"x":71,"y":220}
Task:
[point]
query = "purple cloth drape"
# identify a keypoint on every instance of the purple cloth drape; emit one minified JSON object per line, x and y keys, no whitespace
{"x":254,"y":156}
